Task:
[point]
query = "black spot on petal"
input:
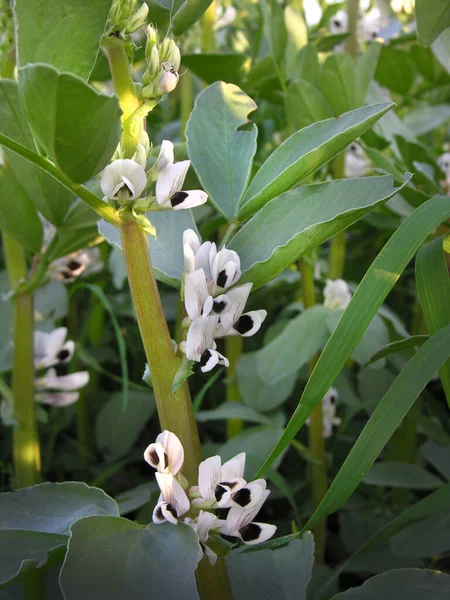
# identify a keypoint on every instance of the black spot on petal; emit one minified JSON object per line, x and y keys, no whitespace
{"x":154,"y":457}
{"x":205,"y":357}
{"x":63,"y":354}
{"x":242,"y":497}
{"x":159,"y":514}
{"x":219,"y":306}
{"x":222,"y":513}
{"x":67,"y":274}
{"x":230,"y":538}
{"x":220,"y":491}
{"x":222,"y":279}
{"x":172,"y":510}
{"x":250,"y":532}
{"x":74,"y":265}
{"x":244,"y":324}
{"x":178,"y":198}
{"x":229,"y":484}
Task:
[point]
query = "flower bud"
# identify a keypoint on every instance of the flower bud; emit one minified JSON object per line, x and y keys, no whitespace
{"x":168,"y":79}
{"x":140,"y":156}
{"x":121,"y":12}
{"x":152,"y":40}
{"x":170,"y":53}
{"x":137,"y":20}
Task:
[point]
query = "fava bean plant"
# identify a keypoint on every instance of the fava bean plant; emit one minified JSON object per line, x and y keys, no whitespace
{"x":224,"y":299}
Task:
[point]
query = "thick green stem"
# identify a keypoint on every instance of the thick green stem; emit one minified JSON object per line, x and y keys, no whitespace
{"x":234,"y":346}
{"x":208,"y":20}
{"x":337,"y":246}
{"x":315,"y":433}
{"x":26,"y":452}
{"x":186,"y":99}
{"x":351,"y":43}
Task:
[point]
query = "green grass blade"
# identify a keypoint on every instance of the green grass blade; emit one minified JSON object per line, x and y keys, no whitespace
{"x":433,"y":285}
{"x":373,"y":289}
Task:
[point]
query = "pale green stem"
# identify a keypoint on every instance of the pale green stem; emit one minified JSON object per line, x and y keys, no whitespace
{"x":186,"y":100}
{"x":234,"y":346}
{"x":337,"y":245}
{"x":26,"y":451}
{"x":351,"y":43}
{"x":315,"y":432}
{"x":208,"y":19}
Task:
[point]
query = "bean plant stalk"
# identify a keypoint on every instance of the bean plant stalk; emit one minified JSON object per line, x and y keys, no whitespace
{"x":26,"y":451}
{"x":315,"y":433}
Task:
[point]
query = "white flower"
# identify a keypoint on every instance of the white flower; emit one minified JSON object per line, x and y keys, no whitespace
{"x":203,"y":524}
{"x":197,"y":255}
{"x":339,"y":23}
{"x":65,"y":387}
{"x":329,"y":412}
{"x":168,"y":79}
{"x":172,"y":502}
{"x":370,"y":25}
{"x":191,"y":244}
{"x":170,"y":180}
{"x":225,"y":268}
{"x":123,"y":180}
{"x":224,"y":17}
{"x":336,"y":294}
{"x":71,"y":266}
{"x":166,"y":454}
{"x":444,"y":165}
{"x":217,"y":482}
{"x":355,"y":161}
{"x":51,"y":348}
{"x":198,"y":301}
{"x":239,"y":522}
{"x":200,"y":345}
{"x":233,"y":322}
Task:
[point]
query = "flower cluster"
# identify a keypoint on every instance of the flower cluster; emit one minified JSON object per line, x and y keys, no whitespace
{"x":336,"y":294}
{"x":220,"y":486}
{"x":329,"y":418}
{"x":162,"y":64}
{"x":124,"y":19}
{"x":369,"y":25}
{"x":52,"y":349}
{"x":215,"y":306}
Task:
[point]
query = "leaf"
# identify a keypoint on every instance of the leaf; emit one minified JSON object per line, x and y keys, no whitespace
{"x":78,"y":127}
{"x":432,"y":19}
{"x":183,"y":373}
{"x":370,"y":294}
{"x":338,"y":82}
{"x":305,"y":104}
{"x":18,"y":216}
{"x":438,"y":456}
{"x":365,"y":72}
{"x":53,"y":507}
{"x":167,"y":249}
{"x":427,"y":538}
{"x":305,"y":152}
{"x":23,"y":551}
{"x":233,"y":410}
{"x":220,"y":151}
{"x":306,"y":66}
{"x":211,"y":67}
{"x":282,"y":573}
{"x":130,"y":561}
{"x":42,"y":26}
{"x":427,"y":118}
{"x":441,"y":49}
{"x":303,"y":218}
{"x":117,"y":427}
{"x":189,"y":13}
{"x":395,"y":70}
{"x":433,"y":285}
{"x":397,"y":474}
{"x":384,"y":421}
{"x":414,"y":584}
{"x":138,"y":496}
{"x":413,"y":341}
{"x":48,"y":196}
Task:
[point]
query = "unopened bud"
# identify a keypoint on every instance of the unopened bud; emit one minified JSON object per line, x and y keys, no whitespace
{"x":164,"y":49}
{"x":152,"y":40}
{"x":137,"y":20}
{"x":168,"y":79}
{"x":173,"y":56}
{"x":140,"y":156}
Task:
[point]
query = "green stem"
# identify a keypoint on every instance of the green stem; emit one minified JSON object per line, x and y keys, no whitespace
{"x":208,"y":19}
{"x":229,"y":233}
{"x":337,"y":246}
{"x":315,"y":433}
{"x":351,"y":43}
{"x":102,"y":208}
{"x":125,"y":89}
{"x":26,"y":452}
{"x":234,"y":346}
{"x":186,"y":99}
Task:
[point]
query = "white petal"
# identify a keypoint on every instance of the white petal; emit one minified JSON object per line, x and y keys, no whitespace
{"x":226,"y":269}
{"x":170,"y":181}
{"x":57,"y":399}
{"x":172,"y":492}
{"x":222,"y":304}
{"x":210,"y":358}
{"x":203,"y":257}
{"x":68,"y":383}
{"x":209,"y":474}
{"x":156,"y":457}
{"x":158,"y":516}
{"x":200,"y":337}
{"x":249,"y":323}
{"x":182,"y":200}
{"x":205,"y":522}
{"x":238,"y":297}
{"x":166,"y":156}
{"x":234,"y":467}
{"x":196,"y":294}
{"x":239,"y":516}
{"x":189,"y":259}
{"x":55,"y":340}
{"x":191,"y":238}
{"x":336,"y":294}
{"x":121,"y":173}
{"x":173,"y":449}
{"x":256,"y":533}
{"x":66,"y":352}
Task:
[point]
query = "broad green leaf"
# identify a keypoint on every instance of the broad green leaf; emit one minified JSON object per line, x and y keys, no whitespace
{"x":282,"y":573}
{"x":51,"y":301}
{"x":441,"y":49}
{"x":220,"y":152}
{"x":256,"y":392}
{"x":117,"y":427}
{"x":189,"y":13}
{"x":305,"y":104}
{"x":64,"y":34}
{"x":211,"y":67}
{"x":275,"y":31}
{"x":370,"y":294}
{"x":50,"y":197}
{"x":338,"y":82}
{"x":430,"y":68}
{"x":413,"y":341}
{"x":438,"y":456}
{"x":305,"y":152}
{"x":167,"y":249}
{"x":306,"y":66}
{"x":395,"y":70}
{"x":397,"y":474}
{"x":53,"y":507}
{"x":425,"y":119}
{"x":298,"y":343}
{"x":22,"y":551}
{"x":233,"y":410}
{"x":414,"y":584}
{"x":78,"y":127}
{"x":365,"y":71}
{"x":387,"y":416}
{"x":433,"y":285}
{"x":303,"y":218}
{"x":133,"y":499}
{"x":130,"y":561}
{"x":18,"y":216}
{"x":427,"y":538}
{"x":432,"y":19}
